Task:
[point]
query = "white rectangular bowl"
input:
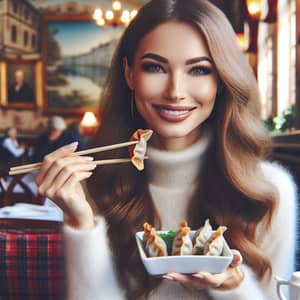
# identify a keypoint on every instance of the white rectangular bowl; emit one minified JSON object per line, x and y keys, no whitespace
{"x":186,"y":264}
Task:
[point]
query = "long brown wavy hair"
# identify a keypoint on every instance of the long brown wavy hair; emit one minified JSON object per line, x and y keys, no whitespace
{"x":232,"y":188}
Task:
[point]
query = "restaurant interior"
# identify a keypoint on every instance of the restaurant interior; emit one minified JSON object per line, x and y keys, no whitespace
{"x":54,"y":58}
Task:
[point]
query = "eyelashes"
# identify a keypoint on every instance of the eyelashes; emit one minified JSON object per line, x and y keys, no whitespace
{"x":152,"y":68}
{"x":157,"y":68}
{"x":200,"y":70}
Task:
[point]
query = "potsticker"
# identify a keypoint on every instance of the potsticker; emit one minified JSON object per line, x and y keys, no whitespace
{"x":154,"y":244}
{"x":138,"y":151}
{"x":182,"y":243}
{"x":215,"y":244}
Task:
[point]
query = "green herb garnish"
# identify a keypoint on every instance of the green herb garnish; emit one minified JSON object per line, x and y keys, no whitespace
{"x":168,"y":239}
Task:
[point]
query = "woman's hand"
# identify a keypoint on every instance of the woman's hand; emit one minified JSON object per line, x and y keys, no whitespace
{"x":59,"y":179}
{"x":227,"y":280}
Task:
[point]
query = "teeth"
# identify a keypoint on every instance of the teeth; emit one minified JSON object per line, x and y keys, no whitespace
{"x":173,"y":112}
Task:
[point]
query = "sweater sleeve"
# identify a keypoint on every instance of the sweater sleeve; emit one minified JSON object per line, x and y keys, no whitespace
{"x":278,"y":244}
{"x":90,"y":269}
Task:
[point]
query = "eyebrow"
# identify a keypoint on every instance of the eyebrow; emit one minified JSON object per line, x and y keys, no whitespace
{"x":188,"y":62}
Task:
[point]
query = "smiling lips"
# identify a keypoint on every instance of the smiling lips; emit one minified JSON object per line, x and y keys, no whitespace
{"x":173,"y":114}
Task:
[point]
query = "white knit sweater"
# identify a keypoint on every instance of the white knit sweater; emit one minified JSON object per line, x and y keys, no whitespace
{"x":172,"y":175}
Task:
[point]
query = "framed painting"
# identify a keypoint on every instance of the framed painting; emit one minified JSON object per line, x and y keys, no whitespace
{"x":20,"y":84}
{"x":77,"y":56}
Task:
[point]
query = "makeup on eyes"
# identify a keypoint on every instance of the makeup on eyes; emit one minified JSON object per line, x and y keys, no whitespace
{"x":200,"y":70}
{"x":152,"y":67}
{"x":154,"y":64}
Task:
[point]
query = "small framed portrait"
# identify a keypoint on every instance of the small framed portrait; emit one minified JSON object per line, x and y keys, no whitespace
{"x":20,"y":84}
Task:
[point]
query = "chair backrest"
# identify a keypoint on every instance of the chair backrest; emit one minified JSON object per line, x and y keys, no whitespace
{"x":23,"y":194}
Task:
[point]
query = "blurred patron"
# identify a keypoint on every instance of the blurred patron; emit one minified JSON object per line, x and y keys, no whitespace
{"x":11,"y":148}
{"x":55,"y":137}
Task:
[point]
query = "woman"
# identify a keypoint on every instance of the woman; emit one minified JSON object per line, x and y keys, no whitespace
{"x":178,"y":70}
{"x":11,"y":144}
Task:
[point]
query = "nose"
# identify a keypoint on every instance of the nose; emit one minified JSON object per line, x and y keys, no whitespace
{"x":175,"y":90}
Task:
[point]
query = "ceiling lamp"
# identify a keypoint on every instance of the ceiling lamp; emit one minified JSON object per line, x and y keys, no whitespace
{"x":254,"y":8}
{"x":115,"y":16}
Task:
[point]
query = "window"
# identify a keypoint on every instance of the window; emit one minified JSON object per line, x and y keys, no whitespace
{"x":286,"y":55}
{"x":26,"y":13}
{"x":15,"y":4}
{"x":14,"y":33}
{"x":33,"y":41}
{"x":34,"y":20}
{"x":25,"y":38}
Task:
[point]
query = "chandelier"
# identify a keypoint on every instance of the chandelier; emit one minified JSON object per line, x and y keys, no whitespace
{"x":115,"y":16}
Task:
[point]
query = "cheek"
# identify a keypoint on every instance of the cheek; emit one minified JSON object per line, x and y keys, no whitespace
{"x":148,"y":86}
{"x":204,"y":93}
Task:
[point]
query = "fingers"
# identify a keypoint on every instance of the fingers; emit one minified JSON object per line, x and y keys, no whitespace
{"x":185,"y":279}
{"x":199,"y":280}
{"x":61,"y":169}
{"x":237,"y":258}
{"x":52,"y":157}
{"x":59,"y":188}
{"x":59,"y":179}
{"x":212,"y":280}
{"x":229,"y":279}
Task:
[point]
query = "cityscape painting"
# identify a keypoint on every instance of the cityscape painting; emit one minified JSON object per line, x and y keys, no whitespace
{"x":78,"y":54}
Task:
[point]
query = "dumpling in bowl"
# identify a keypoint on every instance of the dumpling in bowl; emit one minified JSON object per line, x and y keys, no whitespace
{"x":201,"y":237}
{"x":154,"y":244}
{"x":182,"y":243}
{"x":215,"y":245}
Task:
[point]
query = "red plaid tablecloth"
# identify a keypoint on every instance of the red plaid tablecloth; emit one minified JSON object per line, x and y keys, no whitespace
{"x":31,"y":265}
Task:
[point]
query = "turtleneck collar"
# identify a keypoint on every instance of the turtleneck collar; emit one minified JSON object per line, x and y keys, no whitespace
{"x":176,"y":168}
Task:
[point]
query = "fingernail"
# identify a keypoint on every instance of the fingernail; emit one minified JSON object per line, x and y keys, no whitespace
{"x":168,"y":277}
{"x":73,"y":145}
{"x":199,"y":276}
{"x":88,"y":158}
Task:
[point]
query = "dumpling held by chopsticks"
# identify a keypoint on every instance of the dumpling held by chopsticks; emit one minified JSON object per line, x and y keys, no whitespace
{"x":138,"y":151}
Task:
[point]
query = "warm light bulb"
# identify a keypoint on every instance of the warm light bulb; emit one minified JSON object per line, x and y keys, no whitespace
{"x":109,"y":15}
{"x":133,"y":13}
{"x":89,"y":120}
{"x":100,"y":22}
{"x":125,"y":18}
{"x":98,"y":13}
{"x":116,"y":5}
{"x":254,"y":7}
{"x":241,"y":41}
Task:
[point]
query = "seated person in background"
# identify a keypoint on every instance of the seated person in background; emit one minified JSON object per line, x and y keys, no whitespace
{"x":11,"y":144}
{"x":55,"y":137}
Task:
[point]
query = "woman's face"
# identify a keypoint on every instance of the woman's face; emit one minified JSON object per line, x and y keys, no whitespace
{"x":174,"y":83}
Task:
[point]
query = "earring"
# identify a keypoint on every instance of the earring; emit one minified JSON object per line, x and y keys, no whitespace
{"x":132,"y":105}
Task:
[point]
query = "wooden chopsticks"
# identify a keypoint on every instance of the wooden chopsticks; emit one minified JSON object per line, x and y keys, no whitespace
{"x":35,"y":166}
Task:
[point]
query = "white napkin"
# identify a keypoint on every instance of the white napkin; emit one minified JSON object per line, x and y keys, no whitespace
{"x":48,"y":211}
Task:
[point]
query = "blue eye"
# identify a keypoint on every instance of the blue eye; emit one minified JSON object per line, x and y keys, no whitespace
{"x":152,"y":68}
{"x":200,"y":70}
